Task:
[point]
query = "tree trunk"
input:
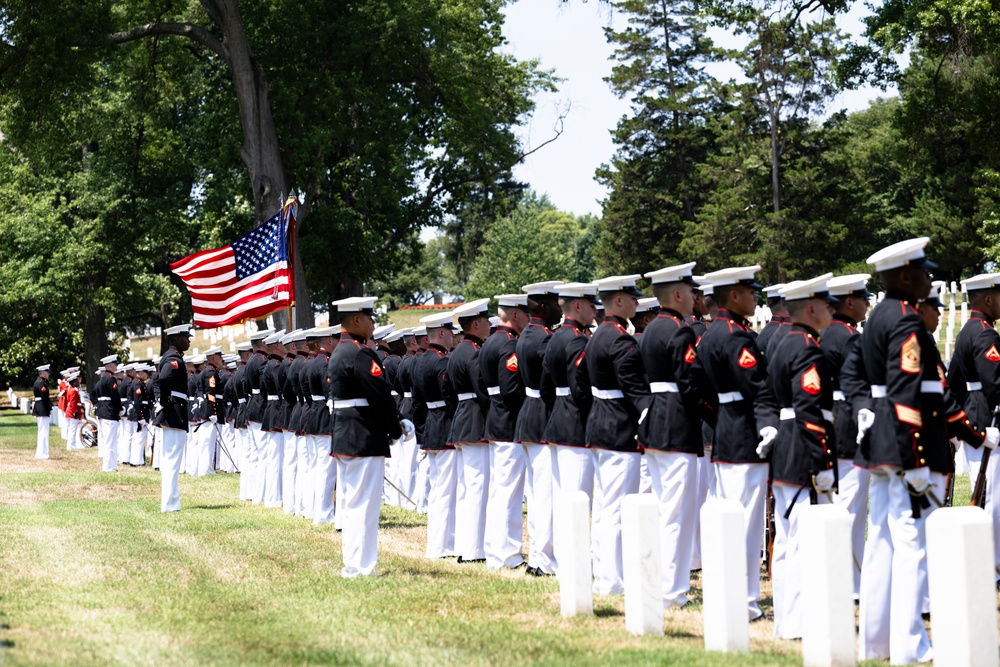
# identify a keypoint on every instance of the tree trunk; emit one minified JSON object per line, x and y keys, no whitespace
{"x":261,"y":151}
{"x":95,"y":343}
{"x":340,"y":286}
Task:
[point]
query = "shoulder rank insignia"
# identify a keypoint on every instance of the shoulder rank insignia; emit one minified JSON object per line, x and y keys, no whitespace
{"x":376,"y":369}
{"x":211,"y":381}
{"x":512,"y":363}
{"x":746,"y":360}
{"x":909,"y":359}
{"x":992,"y":354}
{"x":811,"y":382}
{"x":174,"y":364}
{"x":689,"y":354}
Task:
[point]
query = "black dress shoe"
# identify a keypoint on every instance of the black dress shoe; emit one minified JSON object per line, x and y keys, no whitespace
{"x":537,"y":572}
{"x":530,"y":571}
{"x":471,"y":560}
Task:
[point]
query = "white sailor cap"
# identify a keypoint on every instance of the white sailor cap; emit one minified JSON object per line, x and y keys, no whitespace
{"x":383,"y":331}
{"x":110,"y":359}
{"x":275,"y":337}
{"x":336,"y":330}
{"x":395,"y":335}
{"x":619,"y":284}
{"x":854,"y":284}
{"x":904,"y":253}
{"x":198,"y":359}
{"x":245,"y":346}
{"x":774,"y":291}
{"x":187,"y":358}
{"x":322,"y":332}
{"x":127,"y":367}
{"x":814,"y":288}
{"x":64,"y":373}
{"x":356,"y":304}
{"x":512,"y":301}
{"x":44,"y":368}
{"x":72,"y":376}
{"x":674,"y":274}
{"x":437,"y":320}
{"x":704,"y":286}
{"x":739,"y":275}
{"x":420,"y":331}
{"x":98,"y":371}
{"x":213,"y":350}
{"x":984,"y":281}
{"x":934,"y":296}
{"x":296,"y":336}
{"x":179,"y":330}
{"x":647,"y":304}
{"x":494,"y":322}
{"x":546,"y":288}
{"x":477,"y":308}
{"x":262,"y":334}
{"x":156,"y":358}
{"x":230,"y":365}
{"x":600,"y":307}
{"x":406,"y":333}
{"x":586,"y":291}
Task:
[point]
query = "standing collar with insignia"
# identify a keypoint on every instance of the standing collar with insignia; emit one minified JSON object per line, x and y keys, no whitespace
{"x":980,"y":315}
{"x":844,"y":318}
{"x":725,"y":314}
{"x":806,"y":328}
{"x":671,"y":312}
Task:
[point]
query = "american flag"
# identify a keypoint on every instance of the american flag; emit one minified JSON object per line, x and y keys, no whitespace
{"x":247,"y":279}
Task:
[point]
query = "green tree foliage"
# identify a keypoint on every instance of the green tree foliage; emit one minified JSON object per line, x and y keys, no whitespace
{"x":661,"y":55}
{"x":534,"y":243}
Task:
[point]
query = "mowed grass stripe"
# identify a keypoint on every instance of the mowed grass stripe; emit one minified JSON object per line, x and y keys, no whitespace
{"x":93,"y":574}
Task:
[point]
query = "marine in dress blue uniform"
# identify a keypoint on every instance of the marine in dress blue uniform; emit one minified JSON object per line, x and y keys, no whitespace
{"x":671,"y":433}
{"x":621,"y":400}
{"x":41,"y":408}
{"x":170,"y":413}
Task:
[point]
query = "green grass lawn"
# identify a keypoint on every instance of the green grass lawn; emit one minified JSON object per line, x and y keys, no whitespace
{"x":92,"y":574}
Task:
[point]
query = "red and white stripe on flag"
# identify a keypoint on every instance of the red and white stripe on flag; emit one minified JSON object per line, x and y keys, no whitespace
{"x":246,"y":279}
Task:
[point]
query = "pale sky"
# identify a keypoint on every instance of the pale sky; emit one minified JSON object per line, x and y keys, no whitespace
{"x":568,"y":37}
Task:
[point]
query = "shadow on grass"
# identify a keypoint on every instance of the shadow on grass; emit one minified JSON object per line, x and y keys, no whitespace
{"x":607,"y":612}
{"x":226,"y":506}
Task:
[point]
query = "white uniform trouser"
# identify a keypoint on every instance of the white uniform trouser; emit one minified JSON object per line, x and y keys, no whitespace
{"x":617,"y":476}
{"x":63,"y":425}
{"x":441,"y":503}
{"x":674,"y":476}
{"x":706,"y":480}
{"x":243,"y":437}
{"x":574,"y":471}
{"x":324,"y":481}
{"x":189,"y":459}
{"x":305,"y":461}
{"x":541,"y":485}
{"x":257,"y":448}
{"x":208,"y":440}
{"x":406,"y":470}
{"x":42,"y":439}
{"x":289,"y":469}
{"x":470,"y":518}
{"x":974,"y":455}
{"x":171,"y":448}
{"x":853,"y":496}
{"x":747,"y":483}
{"x":274,"y":446}
{"x":73,"y":431}
{"x":227,"y":448}
{"x":390,"y":496}
{"x":504,"y":523}
{"x":893,"y":580}
{"x":645,"y":477}
{"x":787,"y":569}
{"x":362,"y":479}
{"x":127,"y":430}
{"x":157,"y":447}
{"x":422,"y":483}
{"x":107,"y":434}
{"x":137,"y":444}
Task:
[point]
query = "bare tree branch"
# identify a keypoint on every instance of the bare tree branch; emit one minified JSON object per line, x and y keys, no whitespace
{"x":188,"y":30}
{"x":432,"y":193}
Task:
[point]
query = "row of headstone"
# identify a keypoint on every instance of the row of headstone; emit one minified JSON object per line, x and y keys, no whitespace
{"x":959,"y":562}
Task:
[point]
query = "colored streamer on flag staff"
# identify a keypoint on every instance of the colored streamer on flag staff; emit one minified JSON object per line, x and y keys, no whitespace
{"x":248,"y":279}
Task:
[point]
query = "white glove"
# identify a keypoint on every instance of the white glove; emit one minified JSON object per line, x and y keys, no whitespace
{"x":408,"y":427}
{"x":918,"y":478}
{"x":642,"y":417}
{"x":824,"y":480}
{"x":865,"y":420}
{"x":213,"y":419}
{"x":329,"y":405}
{"x":157,"y":408}
{"x":992,"y":437}
{"x":767,"y":436}
{"x":121,"y":413}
